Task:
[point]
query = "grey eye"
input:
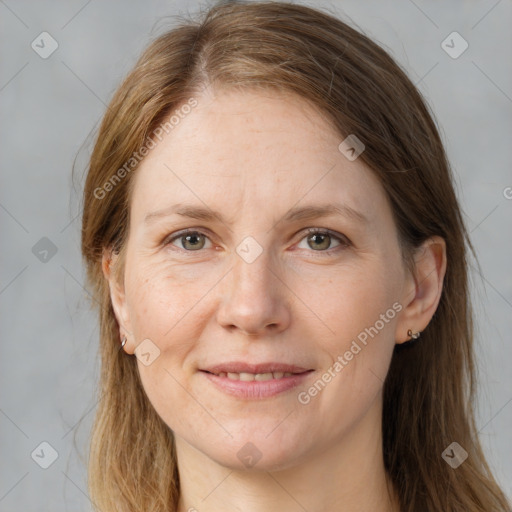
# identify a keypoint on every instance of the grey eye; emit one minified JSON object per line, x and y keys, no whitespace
{"x":320,"y":241}
{"x":193,"y":241}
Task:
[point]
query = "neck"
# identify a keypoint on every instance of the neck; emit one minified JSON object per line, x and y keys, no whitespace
{"x":349,"y":476}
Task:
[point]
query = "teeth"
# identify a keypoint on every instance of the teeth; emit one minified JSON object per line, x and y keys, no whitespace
{"x":249,"y":377}
{"x":264,"y":376}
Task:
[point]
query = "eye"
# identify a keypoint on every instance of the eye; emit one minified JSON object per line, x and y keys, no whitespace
{"x":321,"y":240}
{"x":189,"y":240}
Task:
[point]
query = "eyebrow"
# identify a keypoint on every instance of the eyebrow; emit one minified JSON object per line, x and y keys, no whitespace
{"x":295,"y":214}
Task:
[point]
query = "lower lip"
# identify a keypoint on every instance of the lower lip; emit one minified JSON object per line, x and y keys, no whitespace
{"x":256,"y":389}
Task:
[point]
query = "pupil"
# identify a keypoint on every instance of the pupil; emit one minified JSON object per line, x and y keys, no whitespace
{"x":320,"y":241}
{"x":192,"y":241}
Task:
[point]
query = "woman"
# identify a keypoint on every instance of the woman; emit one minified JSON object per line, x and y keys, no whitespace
{"x":273,"y":236}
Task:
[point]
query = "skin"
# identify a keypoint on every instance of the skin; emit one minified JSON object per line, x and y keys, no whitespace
{"x":252,"y":156}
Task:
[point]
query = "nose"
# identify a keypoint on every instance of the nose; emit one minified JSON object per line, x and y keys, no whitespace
{"x":255,"y":299}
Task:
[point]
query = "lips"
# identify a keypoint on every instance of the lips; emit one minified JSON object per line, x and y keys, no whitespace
{"x":249,"y":377}
{"x":262,"y":368}
{"x":252,"y":381}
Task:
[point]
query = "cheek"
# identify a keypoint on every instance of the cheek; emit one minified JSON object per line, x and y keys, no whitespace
{"x":161,"y":297}
{"x":353,"y":301}
{"x":361,"y":317}
{"x":164,"y":306}
{"x":153,"y":316}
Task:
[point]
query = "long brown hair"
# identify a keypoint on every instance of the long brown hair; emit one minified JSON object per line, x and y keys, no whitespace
{"x":429,"y":390}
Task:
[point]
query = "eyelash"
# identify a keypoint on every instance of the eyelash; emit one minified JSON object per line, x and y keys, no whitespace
{"x":344,"y":242}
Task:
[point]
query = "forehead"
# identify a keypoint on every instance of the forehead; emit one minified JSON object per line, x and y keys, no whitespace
{"x":253,"y":149}
{"x":249,"y":127}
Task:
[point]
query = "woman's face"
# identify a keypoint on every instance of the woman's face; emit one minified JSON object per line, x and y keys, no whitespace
{"x":265,"y":342}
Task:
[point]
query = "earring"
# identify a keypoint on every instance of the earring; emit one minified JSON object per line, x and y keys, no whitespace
{"x":413,"y":335}
{"x":123,"y":341}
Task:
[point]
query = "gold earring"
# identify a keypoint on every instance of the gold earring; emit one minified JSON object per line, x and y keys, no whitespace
{"x":413,"y":335}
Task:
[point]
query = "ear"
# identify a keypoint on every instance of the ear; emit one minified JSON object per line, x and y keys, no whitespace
{"x":118,"y":298}
{"x":423,"y":288}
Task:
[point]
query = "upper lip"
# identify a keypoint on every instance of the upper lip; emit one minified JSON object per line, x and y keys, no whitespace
{"x":241,"y":367}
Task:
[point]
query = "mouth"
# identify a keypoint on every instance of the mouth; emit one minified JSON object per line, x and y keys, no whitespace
{"x":249,"y":377}
{"x":250,"y":381}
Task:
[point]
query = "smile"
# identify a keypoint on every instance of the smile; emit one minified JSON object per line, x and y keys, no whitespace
{"x":247,"y":381}
{"x":248,"y":377}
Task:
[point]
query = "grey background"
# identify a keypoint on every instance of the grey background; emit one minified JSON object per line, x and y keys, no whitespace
{"x":48,"y":362}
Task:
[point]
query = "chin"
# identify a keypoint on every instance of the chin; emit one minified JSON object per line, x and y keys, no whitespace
{"x":260,"y":454}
